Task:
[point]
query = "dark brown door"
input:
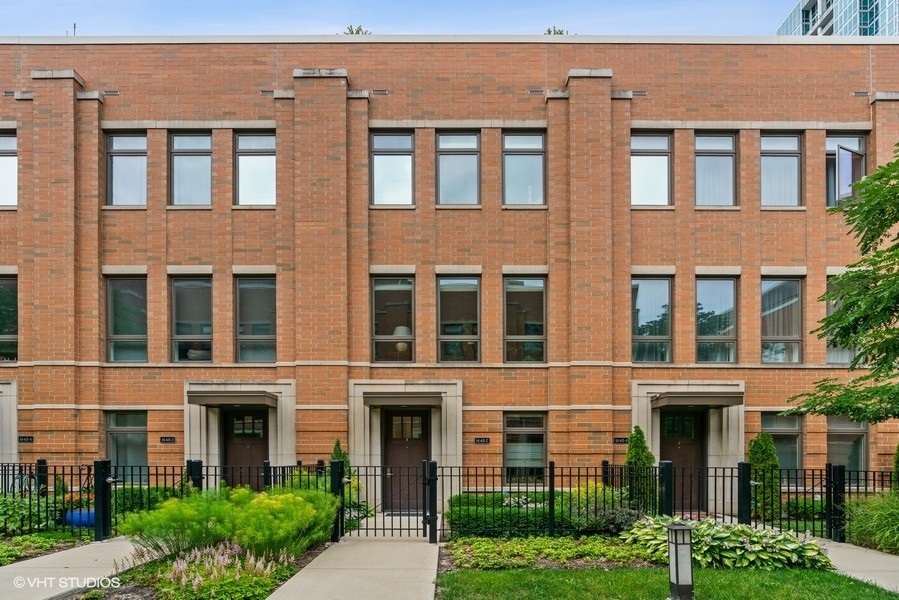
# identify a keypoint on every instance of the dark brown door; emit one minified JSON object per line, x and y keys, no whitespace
{"x":246,"y":447}
{"x":683,"y":443}
{"x":406,"y":442}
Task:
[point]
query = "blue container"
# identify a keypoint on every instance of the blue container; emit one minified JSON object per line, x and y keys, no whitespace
{"x":80,"y":517}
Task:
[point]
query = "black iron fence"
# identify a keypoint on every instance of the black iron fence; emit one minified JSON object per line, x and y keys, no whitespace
{"x":389,"y":502}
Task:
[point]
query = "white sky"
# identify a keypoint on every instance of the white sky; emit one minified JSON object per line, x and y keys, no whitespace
{"x":434,"y":17}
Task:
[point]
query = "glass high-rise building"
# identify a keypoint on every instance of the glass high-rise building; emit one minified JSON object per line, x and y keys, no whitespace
{"x":842,"y":17}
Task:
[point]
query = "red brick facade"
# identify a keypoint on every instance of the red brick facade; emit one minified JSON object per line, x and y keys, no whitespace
{"x":323,"y":241}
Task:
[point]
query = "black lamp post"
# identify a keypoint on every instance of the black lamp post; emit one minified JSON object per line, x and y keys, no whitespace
{"x":680,"y":562}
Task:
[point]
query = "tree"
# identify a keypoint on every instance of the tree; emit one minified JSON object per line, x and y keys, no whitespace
{"x":765,"y":466}
{"x":338,"y":454}
{"x":553,"y":30}
{"x":356,"y":30}
{"x":638,"y":454}
{"x":866,"y":307}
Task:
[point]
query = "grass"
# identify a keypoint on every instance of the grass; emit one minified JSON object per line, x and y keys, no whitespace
{"x":21,"y":547}
{"x":651,"y":584}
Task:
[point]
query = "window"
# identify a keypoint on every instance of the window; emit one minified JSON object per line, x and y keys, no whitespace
{"x":393,"y":330}
{"x":716,"y":320}
{"x":845,"y":166}
{"x":847,"y":443}
{"x":192,"y":318}
{"x":255,"y":169}
{"x":780,"y":170}
{"x":650,"y":169}
{"x":837,"y":355}
{"x":191,"y":169}
{"x":9,"y":318}
{"x":525,"y":339}
{"x":256,"y":319}
{"x":126,"y":169}
{"x":715,"y":170}
{"x":524,"y":168}
{"x":126,"y":443}
{"x":9,"y":171}
{"x":458,"y":168}
{"x":787,"y":433}
{"x":458,"y":307}
{"x":524,"y":447}
{"x":651,"y":320}
{"x":126,"y":319}
{"x":781,"y":320}
{"x":391,"y":168}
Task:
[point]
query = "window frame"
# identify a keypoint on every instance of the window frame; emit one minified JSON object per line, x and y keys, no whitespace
{"x":780,"y":153}
{"x":375,"y":152}
{"x":175,"y":153}
{"x":524,"y":338}
{"x":240,"y":153}
{"x":6,"y":153}
{"x":469,"y":344}
{"x":510,"y":153}
{"x":112,"y":153}
{"x":667,"y":153}
{"x":403,"y":342}
{"x":130,"y":473}
{"x":458,"y":152}
{"x":833,"y":195}
{"x":535,"y":473}
{"x":716,"y":153}
{"x":263,"y":335}
{"x":842,"y":426}
{"x":202,"y":339}
{"x":731,"y":339}
{"x":113,"y":338}
{"x":9,"y":342}
{"x":780,"y":430}
{"x":835,"y":353}
{"x":667,"y":339}
{"x":796,"y":339}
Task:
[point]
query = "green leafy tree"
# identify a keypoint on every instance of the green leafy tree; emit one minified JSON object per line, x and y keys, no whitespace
{"x":896,"y":466}
{"x":638,"y":454}
{"x":641,"y":478}
{"x":338,"y":454}
{"x":356,"y":30}
{"x":553,"y":30}
{"x":865,"y":300}
{"x":765,"y":465}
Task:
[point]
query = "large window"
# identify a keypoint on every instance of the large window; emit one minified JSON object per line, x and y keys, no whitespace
{"x":9,"y":171}
{"x":835,"y":354}
{"x":126,"y":445}
{"x":256,"y":319}
{"x":524,"y":168}
{"x":525,"y":339}
{"x":847,"y":443}
{"x":716,"y":161}
{"x":845,"y":165}
{"x":393,"y":329}
{"x":255,"y":158}
{"x":781,"y":159}
{"x":650,"y":169}
{"x":458,"y":168}
{"x":9,"y":318}
{"x":781,"y":320}
{"x":651,"y":320}
{"x":716,"y":320}
{"x":192,"y":319}
{"x":391,"y":169}
{"x":787,"y":433}
{"x":126,"y":169}
{"x":126,"y":319}
{"x":524,"y":447}
{"x":458,"y":307}
{"x":191,"y":169}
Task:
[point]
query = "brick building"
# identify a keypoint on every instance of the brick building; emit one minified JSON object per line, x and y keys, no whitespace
{"x":484,"y":251}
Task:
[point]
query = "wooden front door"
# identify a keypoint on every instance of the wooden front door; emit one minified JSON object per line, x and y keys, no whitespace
{"x":406,"y":443}
{"x":246,"y":447}
{"x":682,"y":442}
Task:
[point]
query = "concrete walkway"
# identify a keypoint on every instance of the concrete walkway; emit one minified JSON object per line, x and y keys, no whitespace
{"x":872,"y":566}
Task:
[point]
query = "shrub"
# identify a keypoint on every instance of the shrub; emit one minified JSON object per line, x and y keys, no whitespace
{"x":499,"y":514}
{"x":638,"y":454}
{"x":765,"y":466}
{"x":594,"y":508}
{"x":136,"y":498}
{"x":23,"y":514}
{"x":718,"y":546}
{"x":874,"y":522}
{"x":805,"y":509}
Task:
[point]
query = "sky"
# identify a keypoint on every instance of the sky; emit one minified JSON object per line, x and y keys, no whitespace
{"x":423,"y":17}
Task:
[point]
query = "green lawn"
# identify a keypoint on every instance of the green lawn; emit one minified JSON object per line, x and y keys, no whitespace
{"x":651,"y":584}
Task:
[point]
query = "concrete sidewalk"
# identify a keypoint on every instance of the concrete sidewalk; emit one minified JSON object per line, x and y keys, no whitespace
{"x":370,"y":568}
{"x":863,"y":564}
{"x":90,"y":566}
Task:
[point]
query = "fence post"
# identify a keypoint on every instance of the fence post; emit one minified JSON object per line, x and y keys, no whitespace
{"x":102,"y":499}
{"x":266,"y":474}
{"x":42,"y":477}
{"x":337,"y":490}
{"x":838,"y":514}
{"x":195,"y":473}
{"x":828,"y":501}
{"x":744,"y":493}
{"x":432,"y":502}
{"x":666,"y":479}
{"x":606,"y":474}
{"x":552,"y":498}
